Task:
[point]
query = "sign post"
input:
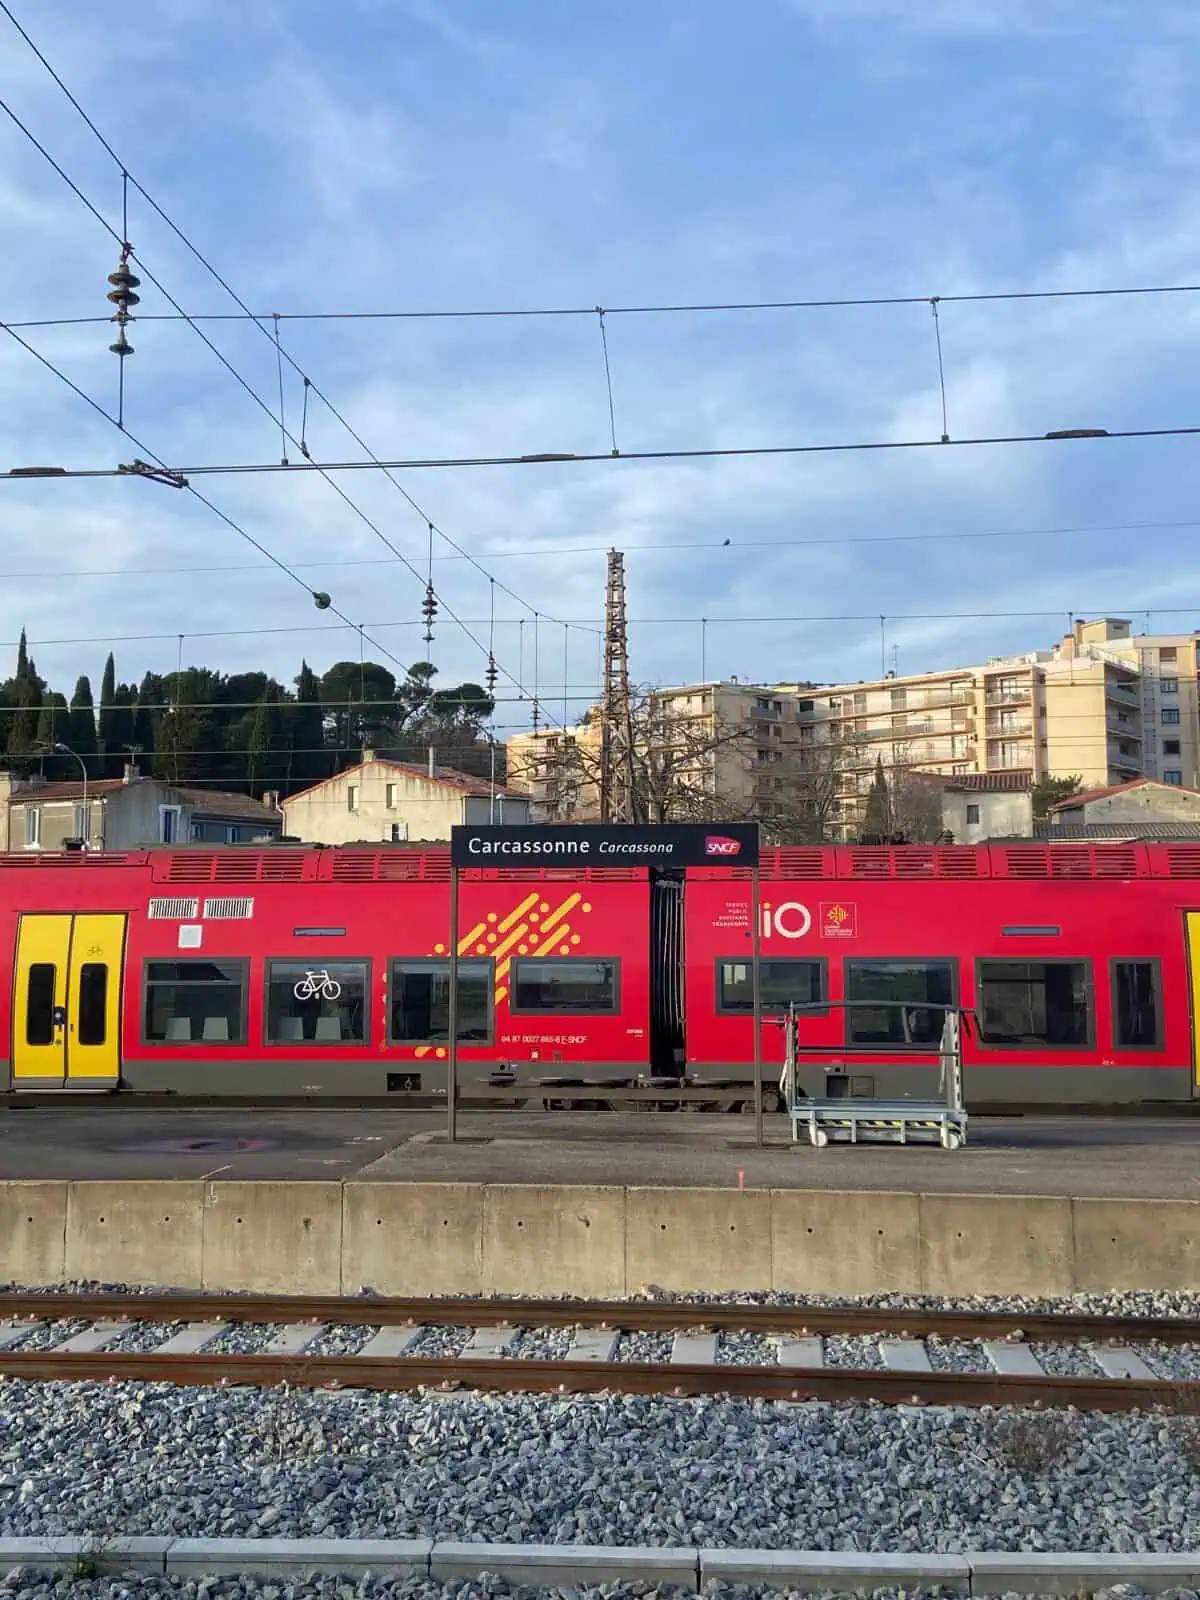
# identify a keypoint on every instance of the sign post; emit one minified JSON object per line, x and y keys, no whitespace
{"x":598,"y":846}
{"x":452,"y":1017}
{"x":756,"y":947}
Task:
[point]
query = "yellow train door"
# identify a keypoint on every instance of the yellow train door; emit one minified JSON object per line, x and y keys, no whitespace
{"x":67,"y":1001}
{"x":94,"y":1001}
{"x":1192,"y":920}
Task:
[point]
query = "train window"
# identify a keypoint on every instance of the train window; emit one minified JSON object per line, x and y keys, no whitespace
{"x":93,"y":1003}
{"x":1137,"y":1016}
{"x":782,"y":983}
{"x":315,"y":1002}
{"x":570,"y":984}
{"x":891,"y":998}
{"x":194,"y":1002}
{"x":39,"y":1004}
{"x":420,"y":1002}
{"x":1034,"y":1005}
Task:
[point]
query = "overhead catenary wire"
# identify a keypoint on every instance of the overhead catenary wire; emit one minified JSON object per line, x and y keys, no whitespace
{"x":545,"y":458}
{"x":665,"y":308}
{"x":236,"y":527}
{"x":261,"y":322}
{"x":248,"y":388}
{"x":871,"y":617}
{"x":556,"y":552}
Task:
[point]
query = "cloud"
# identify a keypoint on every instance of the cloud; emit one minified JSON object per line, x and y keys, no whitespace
{"x":406,"y":158}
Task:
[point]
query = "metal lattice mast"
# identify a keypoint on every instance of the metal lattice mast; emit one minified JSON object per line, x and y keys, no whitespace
{"x":616,"y":751}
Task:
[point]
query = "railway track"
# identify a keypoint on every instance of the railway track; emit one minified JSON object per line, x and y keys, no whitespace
{"x":778,"y":1353}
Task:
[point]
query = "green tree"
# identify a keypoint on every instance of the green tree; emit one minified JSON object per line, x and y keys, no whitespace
{"x":266,"y":754}
{"x":108,"y":707}
{"x":22,"y":695}
{"x":1049,"y":791}
{"x":309,"y":760}
{"x":51,"y":730}
{"x":877,"y":818}
{"x":81,"y":727}
{"x":359,"y":702}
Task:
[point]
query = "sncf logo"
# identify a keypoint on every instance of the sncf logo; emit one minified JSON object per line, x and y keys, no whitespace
{"x":717,"y":845}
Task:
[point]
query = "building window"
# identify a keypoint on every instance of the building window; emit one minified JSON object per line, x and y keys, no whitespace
{"x":351,"y":797}
{"x":194,"y":1002}
{"x":390,"y":796}
{"x":1136,"y":1024}
{"x":1169,"y":685}
{"x":1168,"y":656}
{"x":1170,"y":716}
{"x":972,"y":813}
{"x":896,"y":993}
{"x":782,"y":983}
{"x":317,"y":1003}
{"x":33,"y":826}
{"x":571,"y":984}
{"x":81,"y":822}
{"x":168,"y":824}
{"x":396,"y":832}
{"x":1170,"y":747}
{"x":1034,"y":1004}
{"x":899,"y":699}
{"x":1173,"y":775}
{"x":420,"y":1002}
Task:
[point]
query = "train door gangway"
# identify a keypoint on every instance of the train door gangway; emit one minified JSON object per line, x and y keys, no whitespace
{"x":842,"y":1119}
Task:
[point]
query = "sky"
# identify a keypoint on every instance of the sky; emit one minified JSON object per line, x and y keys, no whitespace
{"x":417,"y":156}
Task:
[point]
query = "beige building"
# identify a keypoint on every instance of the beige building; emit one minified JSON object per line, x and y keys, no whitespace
{"x":1144,"y":801}
{"x":398,"y":803}
{"x":984,"y":805}
{"x":1170,"y":703}
{"x":558,"y":769}
{"x":126,"y":814}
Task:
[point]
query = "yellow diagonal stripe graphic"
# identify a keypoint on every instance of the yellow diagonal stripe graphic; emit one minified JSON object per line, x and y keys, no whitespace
{"x":515,"y":916}
{"x":568,"y":904}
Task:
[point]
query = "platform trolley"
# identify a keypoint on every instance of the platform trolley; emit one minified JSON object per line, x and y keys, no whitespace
{"x":846,"y":1120}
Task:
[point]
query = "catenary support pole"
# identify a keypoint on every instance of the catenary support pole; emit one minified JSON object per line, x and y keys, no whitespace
{"x":452,"y":1017}
{"x":756,"y":922}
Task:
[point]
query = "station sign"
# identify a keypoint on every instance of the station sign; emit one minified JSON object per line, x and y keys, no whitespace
{"x":600,"y":845}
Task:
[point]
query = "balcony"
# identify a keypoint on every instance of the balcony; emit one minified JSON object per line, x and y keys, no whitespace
{"x":1010,"y":730}
{"x":939,"y":699}
{"x":1008,"y":697}
{"x":1121,"y":694}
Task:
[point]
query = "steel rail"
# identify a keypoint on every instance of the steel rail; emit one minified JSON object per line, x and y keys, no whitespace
{"x":789,"y":1385}
{"x":628,"y":1315}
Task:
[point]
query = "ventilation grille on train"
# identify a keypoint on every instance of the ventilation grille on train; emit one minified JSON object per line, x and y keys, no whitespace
{"x":203,"y":866}
{"x":1183,"y":860}
{"x":177,"y":908}
{"x":229,"y":908}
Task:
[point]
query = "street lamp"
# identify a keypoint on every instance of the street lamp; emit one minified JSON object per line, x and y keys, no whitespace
{"x":58,"y":748}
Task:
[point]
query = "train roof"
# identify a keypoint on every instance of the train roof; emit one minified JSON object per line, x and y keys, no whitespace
{"x":406,"y":863}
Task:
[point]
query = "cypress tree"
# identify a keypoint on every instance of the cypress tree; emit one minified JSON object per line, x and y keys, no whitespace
{"x":81,"y":727}
{"x":110,"y":765}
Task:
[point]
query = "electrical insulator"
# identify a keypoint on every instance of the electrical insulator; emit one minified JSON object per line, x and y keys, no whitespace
{"x":491,"y":675}
{"x":122,"y":296}
{"x":429,"y":609}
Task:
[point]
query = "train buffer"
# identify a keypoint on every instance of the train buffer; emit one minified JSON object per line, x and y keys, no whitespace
{"x":810,"y":1086}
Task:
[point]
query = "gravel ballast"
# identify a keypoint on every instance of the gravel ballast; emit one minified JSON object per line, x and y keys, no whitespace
{"x":629,"y":1470}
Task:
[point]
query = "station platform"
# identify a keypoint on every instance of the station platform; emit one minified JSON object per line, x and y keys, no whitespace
{"x":593,"y":1205}
{"x":1110,"y":1157}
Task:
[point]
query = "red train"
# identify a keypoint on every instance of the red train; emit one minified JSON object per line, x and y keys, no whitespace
{"x":290,"y":972}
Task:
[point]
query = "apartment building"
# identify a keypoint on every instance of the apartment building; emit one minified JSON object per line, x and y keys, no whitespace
{"x":1076,"y":709}
{"x":1170,"y":699}
{"x":558,"y":769}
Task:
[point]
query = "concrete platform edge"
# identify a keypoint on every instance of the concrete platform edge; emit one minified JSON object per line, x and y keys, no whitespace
{"x":970,"y":1572}
{"x":329,"y":1236}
